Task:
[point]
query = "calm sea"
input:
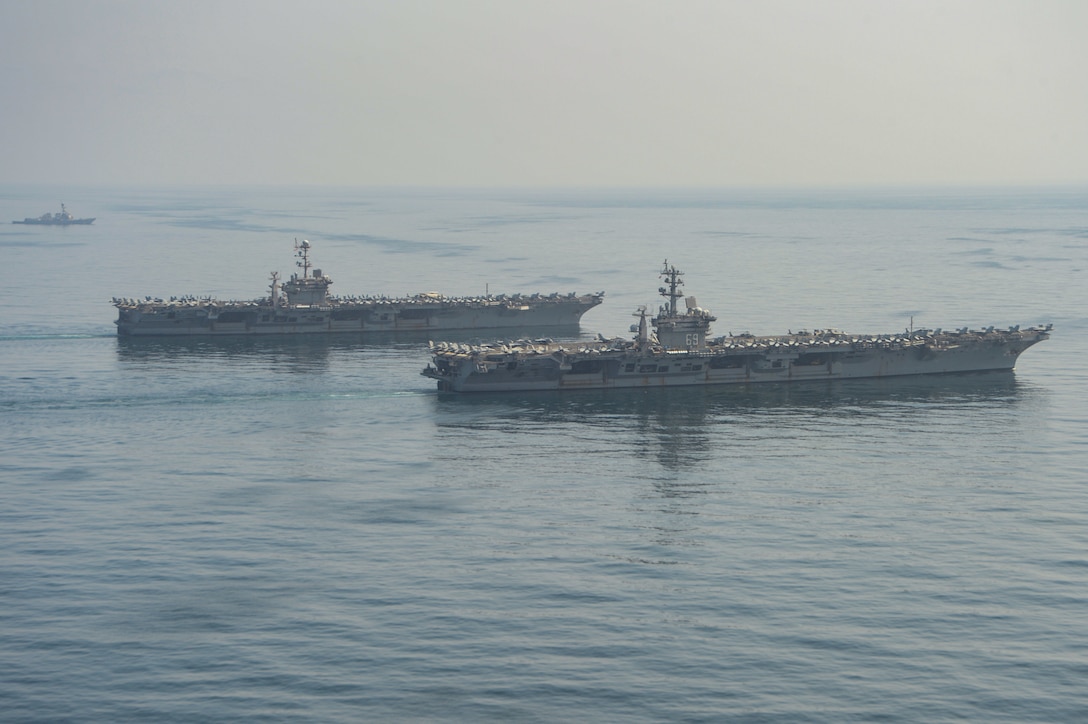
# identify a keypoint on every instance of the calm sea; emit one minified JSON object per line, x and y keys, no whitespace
{"x":303,"y":530}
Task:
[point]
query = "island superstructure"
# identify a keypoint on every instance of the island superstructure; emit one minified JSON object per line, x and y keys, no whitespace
{"x":303,"y":305}
{"x":60,"y":218}
{"x":672,"y":349}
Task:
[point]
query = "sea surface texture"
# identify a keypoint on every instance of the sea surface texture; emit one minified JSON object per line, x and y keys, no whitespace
{"x":305,"y":530}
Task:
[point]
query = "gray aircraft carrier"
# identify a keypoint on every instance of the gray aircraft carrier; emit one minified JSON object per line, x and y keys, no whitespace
{"x":672,"y":349}
{"x":303,"y":305}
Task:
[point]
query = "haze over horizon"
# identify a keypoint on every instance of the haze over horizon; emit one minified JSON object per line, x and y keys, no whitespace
{"x":533,"y":93}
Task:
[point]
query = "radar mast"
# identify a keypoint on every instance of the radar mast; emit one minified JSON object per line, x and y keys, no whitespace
{"x":302,"y":251}
{"x":672,"y":292}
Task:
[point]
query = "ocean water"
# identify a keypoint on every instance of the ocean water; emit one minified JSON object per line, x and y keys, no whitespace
{"x":304,"y":530}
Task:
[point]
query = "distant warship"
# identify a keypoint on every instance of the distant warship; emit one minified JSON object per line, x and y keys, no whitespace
{"x":60,"y":218}
{"x":302,"y":305}
{"x":678,"y":353}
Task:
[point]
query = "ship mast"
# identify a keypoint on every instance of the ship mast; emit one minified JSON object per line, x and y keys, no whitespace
{"x":275,"y":290}
{"x":672,"y":292}
{"x":302,"y":251}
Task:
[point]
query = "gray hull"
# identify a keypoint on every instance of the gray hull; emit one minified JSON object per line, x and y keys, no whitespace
{"x":303,"y":305}
{"x":61,"y":218}
{"x":180,"y":320}
{"x":766,"y":360}
{"x":63,"y":222}
{"x":678,"y":353}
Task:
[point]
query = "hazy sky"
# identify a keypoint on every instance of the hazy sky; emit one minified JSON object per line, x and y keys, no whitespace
{"x":544,"y":93}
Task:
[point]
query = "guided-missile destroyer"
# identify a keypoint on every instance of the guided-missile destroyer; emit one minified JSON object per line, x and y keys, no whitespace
{"x":60,"y":218}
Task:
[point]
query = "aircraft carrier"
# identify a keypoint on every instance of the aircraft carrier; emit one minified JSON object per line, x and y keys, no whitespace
{"x":303,"y":305}
{"x":672,"y":349}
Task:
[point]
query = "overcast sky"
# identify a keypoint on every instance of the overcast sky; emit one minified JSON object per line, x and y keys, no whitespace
{"x":544,"y":92}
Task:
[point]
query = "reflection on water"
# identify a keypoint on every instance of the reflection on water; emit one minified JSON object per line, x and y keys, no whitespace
{"x":296,"y":353}
{"x":680,"y":427}
{"x":317,"y":345}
